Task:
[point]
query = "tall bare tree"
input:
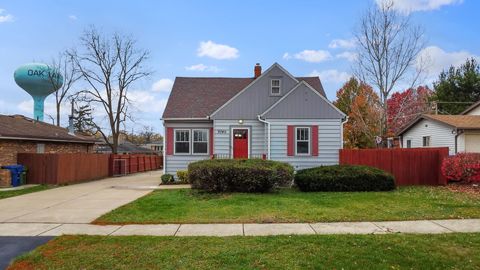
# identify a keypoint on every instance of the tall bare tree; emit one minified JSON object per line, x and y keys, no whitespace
{"x":388,"y":48}
{"x":109,"y":66}
{"x":64,"y":65}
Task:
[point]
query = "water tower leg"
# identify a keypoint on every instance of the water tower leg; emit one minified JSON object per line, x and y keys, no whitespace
{"x":38,"y":107}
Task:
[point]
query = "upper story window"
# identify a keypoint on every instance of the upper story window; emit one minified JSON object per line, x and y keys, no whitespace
{"x":426,"y":141}
{"x":182,"y":141}
{"x":275,"y":87}
{"x":200,"y":141}
{"x":302,"y":141}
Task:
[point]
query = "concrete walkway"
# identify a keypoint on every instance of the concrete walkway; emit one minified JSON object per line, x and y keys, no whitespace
{"x":383,"y":227}
{"x":79,"y":203}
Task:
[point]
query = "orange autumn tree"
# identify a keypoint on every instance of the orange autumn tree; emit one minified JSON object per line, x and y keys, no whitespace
{"x":362,"y":106}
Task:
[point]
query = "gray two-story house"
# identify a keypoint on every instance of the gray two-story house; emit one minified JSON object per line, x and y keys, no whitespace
{"x":272,"y":115}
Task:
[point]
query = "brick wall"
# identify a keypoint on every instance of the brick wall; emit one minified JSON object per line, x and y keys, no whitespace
{"x":10,"y":148}
{"x":5,"y":180}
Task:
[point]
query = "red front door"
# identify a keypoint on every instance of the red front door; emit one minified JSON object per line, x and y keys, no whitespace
{"x":240,"y":143}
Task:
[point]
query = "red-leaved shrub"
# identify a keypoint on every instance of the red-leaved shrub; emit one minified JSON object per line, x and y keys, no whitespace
{"x":464,"y":167}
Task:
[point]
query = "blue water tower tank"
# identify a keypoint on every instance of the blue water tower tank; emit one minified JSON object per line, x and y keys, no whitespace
{"x":39,"y":80}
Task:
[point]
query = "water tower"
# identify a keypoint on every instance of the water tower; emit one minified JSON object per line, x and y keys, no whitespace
{"x":39,"y":80}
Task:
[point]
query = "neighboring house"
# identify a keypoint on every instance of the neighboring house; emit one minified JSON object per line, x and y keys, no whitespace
{"x":125,"y":147}
{"x":156,"y":146}
{"x":472,"y":110}
{"x":271,"y":115}
{"x":460,"y":133}
{"x":19,"y":134}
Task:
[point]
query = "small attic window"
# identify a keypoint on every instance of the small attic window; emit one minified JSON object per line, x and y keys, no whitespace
{"x":275,"y":87}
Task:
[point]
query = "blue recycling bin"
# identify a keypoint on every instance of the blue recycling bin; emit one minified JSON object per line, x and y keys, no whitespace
{"x":16,"y":173}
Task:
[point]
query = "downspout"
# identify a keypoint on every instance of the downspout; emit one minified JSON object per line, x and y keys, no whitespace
{"x":268,"y":135}
{"x":457,"y":133}
{"x":164,"y":148}
{"x":341,"y":131}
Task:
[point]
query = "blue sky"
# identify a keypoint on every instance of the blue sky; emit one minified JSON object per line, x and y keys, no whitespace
{"x":219,"y":38}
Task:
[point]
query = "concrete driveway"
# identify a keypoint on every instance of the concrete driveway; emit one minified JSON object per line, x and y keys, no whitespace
{"x":79,"y":203}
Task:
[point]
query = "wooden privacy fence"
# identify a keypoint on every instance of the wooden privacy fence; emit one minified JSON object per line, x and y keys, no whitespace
{"x":64,"y":168}
{"x":72,"y":168}
{"x":412,"y":166}
{"x":126,"y":164}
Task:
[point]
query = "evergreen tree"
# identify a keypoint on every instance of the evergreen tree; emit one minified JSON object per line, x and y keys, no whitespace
{"x":460,"y":86}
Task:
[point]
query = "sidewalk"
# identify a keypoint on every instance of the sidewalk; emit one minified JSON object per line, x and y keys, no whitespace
{"x":381,"y":227}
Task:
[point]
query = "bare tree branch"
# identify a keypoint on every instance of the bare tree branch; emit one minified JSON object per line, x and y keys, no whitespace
{"x":110,"y":67}
{"x":388,"y":46}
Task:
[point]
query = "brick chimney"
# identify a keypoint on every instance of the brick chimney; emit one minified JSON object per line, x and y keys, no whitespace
{"x":257,"y":70}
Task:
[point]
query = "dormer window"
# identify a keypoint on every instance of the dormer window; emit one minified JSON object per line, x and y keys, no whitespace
{"x":275,"y":87}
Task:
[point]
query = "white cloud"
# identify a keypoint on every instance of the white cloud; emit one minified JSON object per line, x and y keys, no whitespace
{"x":217,"y":51}
{"x":408,"y":6}
{"x":331,"y":75}
{"x":310,"y":56}
{"x":26,"y":108}
{"x":342,"y":43}
{"x":349,"y":56}
{"x":162,"y":85}
{"x":72,"y":17}
{"x":5,"y":17}
{"x":437,"y":60}
{"x":146,"y":102}
{"x":202,"y":67}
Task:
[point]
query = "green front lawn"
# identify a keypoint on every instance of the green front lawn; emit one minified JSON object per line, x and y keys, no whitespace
{"x":12,"y":193}
{"x":190,"y":206}
{"x":446,"y":251}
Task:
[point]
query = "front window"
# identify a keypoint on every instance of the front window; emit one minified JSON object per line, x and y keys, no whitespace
{"x":409,"y":143}
{"x":182,"y":141}
{"x":275,"y":87}
{"x":302,"y":141}
{"x":426,"y":141}
{"x":200,"y":141}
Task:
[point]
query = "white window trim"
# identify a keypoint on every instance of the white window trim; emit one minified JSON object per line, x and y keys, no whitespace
{"x":193,"y":141}
{"x":175,"y":142}
{"x":231,"y":139}
{"x":279,"y":87}
{"x":309,"y":141}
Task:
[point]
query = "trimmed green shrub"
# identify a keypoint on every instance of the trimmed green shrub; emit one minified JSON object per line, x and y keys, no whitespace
{"x":239,"y":175}
{"x":167,"y":178}
{"x":344,"y":178}
{"x":182,"y":176}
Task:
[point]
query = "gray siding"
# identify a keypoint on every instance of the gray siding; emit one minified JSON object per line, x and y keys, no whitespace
{"x":173,"y":163}
{"x":329,"y":142}
{"x":222,"y":136}
{"x":255,"y":99}
{"x":303,"y":103}
{"x":440,"y":135}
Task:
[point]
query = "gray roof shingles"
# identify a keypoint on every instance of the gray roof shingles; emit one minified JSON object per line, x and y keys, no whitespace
{"x":193,"y":97}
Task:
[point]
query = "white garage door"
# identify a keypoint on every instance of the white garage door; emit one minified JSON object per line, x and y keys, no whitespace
{"x":472,"y":143}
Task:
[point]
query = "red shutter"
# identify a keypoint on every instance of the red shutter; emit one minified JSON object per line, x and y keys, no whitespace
{"x":290,"y":140}
{"x":314,"y":140}
{"x":211,"y":142}
{"x":169,"y":141}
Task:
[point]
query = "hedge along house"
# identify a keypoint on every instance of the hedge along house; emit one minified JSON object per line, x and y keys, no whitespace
{"x":272,"y":115}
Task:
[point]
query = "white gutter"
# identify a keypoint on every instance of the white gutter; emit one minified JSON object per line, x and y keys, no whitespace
{"x":268,"y":135}
{"x":341,"y":132}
